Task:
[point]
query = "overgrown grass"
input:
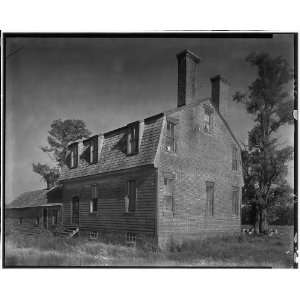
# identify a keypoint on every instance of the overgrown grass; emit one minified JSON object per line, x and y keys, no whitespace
{"x":240,"y":250}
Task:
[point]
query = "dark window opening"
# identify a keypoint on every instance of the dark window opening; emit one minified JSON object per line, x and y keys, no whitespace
{"x":93,"y":235}
{"x":20,"y":221}
{"x":131,"y":237}
{"x":92,"y":149}
{"x":36,"y":221}
{"x":208,"y":121}
{"x":169,"y":194}
{"x":54,"y":217}
{"x":73,"y":155}
{"x":133,"y":139}
{"x":132,"y":191}
{"x":170,"y":137}
{"x":234,"y":158}
{"x":210,"y":186}
{"x":235,"y":201}
{"x":94,"y":200}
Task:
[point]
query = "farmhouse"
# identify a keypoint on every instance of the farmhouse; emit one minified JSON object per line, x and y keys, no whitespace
{"x":172,"y":176}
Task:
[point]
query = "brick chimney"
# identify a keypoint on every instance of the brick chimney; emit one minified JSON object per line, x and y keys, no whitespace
{"x":220,"y":94}
{"x":187,"y":69}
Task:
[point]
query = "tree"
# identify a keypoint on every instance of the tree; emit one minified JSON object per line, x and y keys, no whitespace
{"x":49,"y":175}
{"x":264,"y":162}
{"x":60,"y":135}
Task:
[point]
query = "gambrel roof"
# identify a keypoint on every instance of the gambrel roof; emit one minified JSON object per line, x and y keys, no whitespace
{"x":113,"y":156}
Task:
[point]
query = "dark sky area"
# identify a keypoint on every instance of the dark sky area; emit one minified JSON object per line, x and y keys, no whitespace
{"x":109,"y":82}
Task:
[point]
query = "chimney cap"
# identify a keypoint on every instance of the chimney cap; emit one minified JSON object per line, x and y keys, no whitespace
{"x":220,"y":78}
{"x":189,"y":53}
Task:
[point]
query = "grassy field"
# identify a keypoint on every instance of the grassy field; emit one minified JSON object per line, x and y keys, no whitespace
{"x":239,"y":251}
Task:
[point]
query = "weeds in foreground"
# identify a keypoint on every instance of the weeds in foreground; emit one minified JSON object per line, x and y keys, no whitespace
{"x":239,"y":250}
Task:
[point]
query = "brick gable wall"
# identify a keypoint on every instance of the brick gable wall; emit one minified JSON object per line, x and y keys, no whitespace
{"x":200,"y":157}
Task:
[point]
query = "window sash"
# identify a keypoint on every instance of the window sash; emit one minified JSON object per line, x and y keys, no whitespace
{"x":209,"y":198}
{"x":132,"y":140}
{"x":168,"y":186}
{"x":93,"y":205}
{"x":74,"y":156}
{"x":94,"y":191}
{"x":92,"y":152}
{"x":234,"y":159}
{"x":208,"y":121}
{"x":132,"y":191}
{"x":170,"y":137}
{"x":235,"y":201}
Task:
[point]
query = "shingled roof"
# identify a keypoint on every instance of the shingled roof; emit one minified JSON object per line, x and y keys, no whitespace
{"x":36,"y":198}
{"x":113,"y":155}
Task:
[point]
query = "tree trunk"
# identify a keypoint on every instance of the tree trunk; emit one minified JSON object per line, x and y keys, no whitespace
{"x":263,"y":226}
{"x":257,"y":219}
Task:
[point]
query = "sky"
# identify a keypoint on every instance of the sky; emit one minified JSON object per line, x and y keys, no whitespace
{"x":109,"y":82}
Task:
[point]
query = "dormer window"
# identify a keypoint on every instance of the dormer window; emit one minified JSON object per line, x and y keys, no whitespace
{"x":92,"y":149}
{"x":170,"y":137}
{"x":208,"y":120}
{"x":73,"y":155}
{"x":133,"y":139}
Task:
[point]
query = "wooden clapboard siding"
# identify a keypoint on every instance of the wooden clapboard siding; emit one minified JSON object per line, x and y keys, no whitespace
{"x":112,"y":188}
{"x":29,"y":215}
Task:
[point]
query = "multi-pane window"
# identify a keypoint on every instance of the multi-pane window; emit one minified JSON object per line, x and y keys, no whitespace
{"x":73,"y":155}
{"x":208,"y":120}
{"x":170,"y":137}
{"x":92,"y":148}
{"x":169,"y":194}
{"x":132,"y":191}
{"x":131,"y":237}
{"x":94,"y":200}
{"x":210,"y":187}
{"x":235,"y":201}
{"x":234,"y":158}
{"x":133,"y":139}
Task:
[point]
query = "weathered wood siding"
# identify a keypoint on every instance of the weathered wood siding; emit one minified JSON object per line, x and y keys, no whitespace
{"x":112,"y":188}
{"x":29,"y":216}
{"x":200,"y":157}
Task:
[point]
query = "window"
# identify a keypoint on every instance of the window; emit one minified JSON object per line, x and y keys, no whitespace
{"x":54,"y":217}
{"x":91,"y":150}
{"x":208,"y":120}
{"x":36,"y":221}
{"x":234,"y":158}
{"x":170,"y":138}
{"x":73,"y":155}
{"x":133,"y":139}
{"x":93,"y":235}
{"x":20,"y":221}
{"x":210,"y":186}
{"x":235,"y":201}
{"x":131,"y":196}
{"x":94,"y":200}
{"x":169,"y":194}
{"x":131,"y":237}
